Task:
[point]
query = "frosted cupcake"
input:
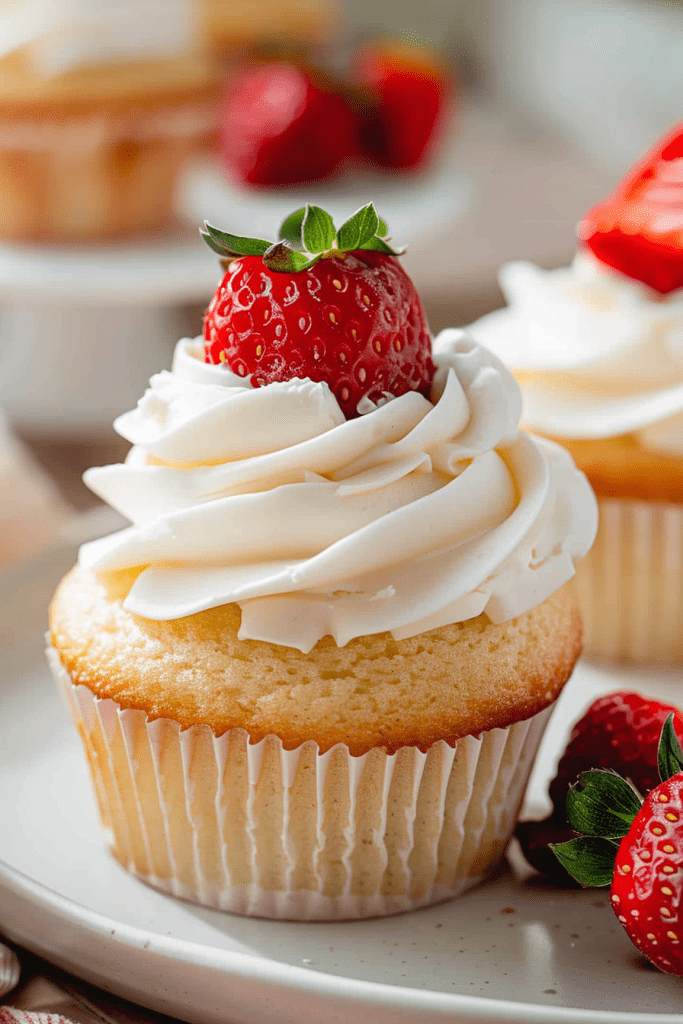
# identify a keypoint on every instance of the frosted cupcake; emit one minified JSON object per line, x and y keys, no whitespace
{"x":101,"y":104}
{"x":598,"y":350}
{"x":311,"y":678}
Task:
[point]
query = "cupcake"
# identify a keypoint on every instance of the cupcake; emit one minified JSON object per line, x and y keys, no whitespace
{"x":312,"y":676}
{"x":100,"y":108}
{"x":598,"y":350}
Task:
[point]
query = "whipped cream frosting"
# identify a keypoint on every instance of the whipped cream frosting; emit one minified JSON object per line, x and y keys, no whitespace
{"x":598,"y":354}
{"x":62,"y":34}
{"x":417,"y":514}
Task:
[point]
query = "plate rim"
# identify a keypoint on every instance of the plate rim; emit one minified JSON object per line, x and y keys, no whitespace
{"x":353,"y":992}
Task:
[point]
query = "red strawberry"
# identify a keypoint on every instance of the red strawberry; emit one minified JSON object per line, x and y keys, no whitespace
{"x":279,"y":127}
{"x":645,"y":869}
{"x":619,"y":731}
{"x":647,"y":885}
{"x":639,"y":229}
{"x":407,"y":90}
{"x":349,"y":316}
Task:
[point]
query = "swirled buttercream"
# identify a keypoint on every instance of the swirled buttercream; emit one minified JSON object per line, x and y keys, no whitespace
{"x":597,"y":354}
{"x":62,"y":34}
{"x":417,"y":514}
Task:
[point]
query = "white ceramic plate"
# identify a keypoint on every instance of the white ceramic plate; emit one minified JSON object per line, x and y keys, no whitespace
{"x":162,"y":270}
{"x":514,"y":950}
{"x":412,"y":205}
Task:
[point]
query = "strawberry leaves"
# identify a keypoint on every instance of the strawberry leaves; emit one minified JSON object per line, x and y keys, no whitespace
{"x":602,"y":804}
{"x":305,"y":236}
{"x":225,"y":244}
{"x":588,"y":859}
{"x":669,"y":755}
{"x":317,"y":230}
{"x":601,"y":807}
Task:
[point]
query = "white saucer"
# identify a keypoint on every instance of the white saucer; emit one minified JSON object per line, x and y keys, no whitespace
{"x":514,"y":950}
{"x":411,"y":205}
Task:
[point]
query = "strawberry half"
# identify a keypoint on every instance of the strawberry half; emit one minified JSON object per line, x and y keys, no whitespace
{"x":343,"y":311}
{"x":639,"y":229}
{"x":637,"y":849}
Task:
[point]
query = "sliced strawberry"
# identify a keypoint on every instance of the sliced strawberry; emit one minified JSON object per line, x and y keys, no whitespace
{"x":407,"y":90}
{"x":280,"y":127}
{"x":638,"y":230}
{"x":349,"y":316}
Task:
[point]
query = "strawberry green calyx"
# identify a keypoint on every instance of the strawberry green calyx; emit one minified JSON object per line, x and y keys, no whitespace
{"x":306,"y":236}
{"x":601,"y":808}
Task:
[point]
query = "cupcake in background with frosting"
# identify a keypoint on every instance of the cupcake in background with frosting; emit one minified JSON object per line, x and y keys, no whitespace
{"x":597,"y":348}
{"x":312,"y":676}
{"x":101,"y":105}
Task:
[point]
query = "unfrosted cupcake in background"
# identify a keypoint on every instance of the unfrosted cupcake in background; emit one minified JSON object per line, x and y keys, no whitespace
{"x":312,"y":677}
{"x":598,"y":350}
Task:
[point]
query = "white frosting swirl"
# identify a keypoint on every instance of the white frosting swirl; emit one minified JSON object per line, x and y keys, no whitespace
{"x":418,"y":514}
{"x":63,"y":34}
{"x":598,"y":354}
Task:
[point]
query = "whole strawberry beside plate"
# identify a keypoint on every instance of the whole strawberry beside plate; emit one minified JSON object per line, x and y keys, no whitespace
{"x":620,"y":731}
{"x":636,"y":847}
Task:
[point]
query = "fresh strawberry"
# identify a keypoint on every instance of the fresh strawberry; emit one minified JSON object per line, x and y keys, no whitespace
{"x":639,"y":229}
{"x":407,"y":90}
{"x":635,"y":848}
{"x":344,"y":311}
{"x":619,"y":731}
{"x":647,"y":885}
{"x":280,"y":127}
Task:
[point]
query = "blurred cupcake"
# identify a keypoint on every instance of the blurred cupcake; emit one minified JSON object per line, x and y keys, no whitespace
{"x":312,"y":677}
{"x":101,"y":104}
{"x":598,"y":350}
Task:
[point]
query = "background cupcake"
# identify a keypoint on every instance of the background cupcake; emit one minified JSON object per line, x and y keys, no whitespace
{"x":598,"y":350}
{"x":100,"y":106}
{"x":312,"y":676}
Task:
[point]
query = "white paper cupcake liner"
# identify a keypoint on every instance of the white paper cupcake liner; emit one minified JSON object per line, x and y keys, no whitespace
{"x":630,"y":584}
{"x":295,"y":834}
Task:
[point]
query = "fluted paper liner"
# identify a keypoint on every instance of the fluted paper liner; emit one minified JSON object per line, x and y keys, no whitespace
{"x":630,"y":584}
{"x":255,"y":829}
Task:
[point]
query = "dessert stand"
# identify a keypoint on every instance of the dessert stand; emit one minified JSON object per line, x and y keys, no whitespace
{"x":83,"y":328}
{"x":513,"y":950}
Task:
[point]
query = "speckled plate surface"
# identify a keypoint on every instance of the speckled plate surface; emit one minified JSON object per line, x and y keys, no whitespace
{"x":513,"y":950}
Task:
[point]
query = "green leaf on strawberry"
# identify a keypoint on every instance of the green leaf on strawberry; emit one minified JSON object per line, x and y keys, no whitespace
{"x":226,"y":244}
{"x":358,"y":229}
{"x":669,"y":755}
{"x":317,"y":230}
{"x":290,"y":229}
{"x":588,"y":859}
{"x":602,"y":804}
{"x":304,"y":237}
